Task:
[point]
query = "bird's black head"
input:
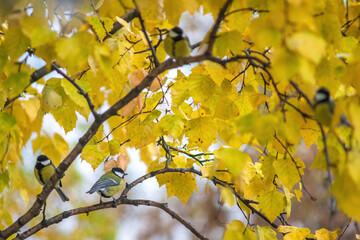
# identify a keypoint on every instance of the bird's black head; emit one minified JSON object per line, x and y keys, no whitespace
{"x":118,"y":172}
{"x":43,"y":160}
{"x":176,"y":33}
{"x":322,"y":95}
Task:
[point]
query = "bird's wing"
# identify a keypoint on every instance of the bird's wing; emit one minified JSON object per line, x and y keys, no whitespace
{"x":103,"y":183}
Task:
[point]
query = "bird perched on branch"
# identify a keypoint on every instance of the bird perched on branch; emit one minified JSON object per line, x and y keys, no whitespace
{"x":109,"y":183}
{"x":177,"y":43}
{"x":324,"y":107}
{"x":43,"y":170}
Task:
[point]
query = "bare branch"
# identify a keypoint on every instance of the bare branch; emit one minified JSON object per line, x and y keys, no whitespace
{"x":122,"y":201}
{"x":216,"y":26}
{"x":153,"y":52}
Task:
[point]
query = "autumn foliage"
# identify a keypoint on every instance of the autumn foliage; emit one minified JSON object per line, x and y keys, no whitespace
{"x":238,"y":114}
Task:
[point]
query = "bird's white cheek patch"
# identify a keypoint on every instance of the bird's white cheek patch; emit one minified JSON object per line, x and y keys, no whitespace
{"x":45,"y":163}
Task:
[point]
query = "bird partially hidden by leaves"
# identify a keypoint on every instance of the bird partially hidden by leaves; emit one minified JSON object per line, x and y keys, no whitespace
{"x":109,"y":183}
{"x":43,"y":170}
{"x":177,"y":43}
{"x":324,"y":108}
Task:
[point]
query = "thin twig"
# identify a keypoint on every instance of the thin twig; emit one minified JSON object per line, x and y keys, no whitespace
{"x":80,"y":90}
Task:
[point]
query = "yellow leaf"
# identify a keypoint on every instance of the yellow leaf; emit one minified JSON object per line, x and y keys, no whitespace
{"x":7,"y":121}
{"x":174,"y":9}
{"x":284,"y":65}
{"x":16,"y":43}
{"x":236,"y":230}
{"x":228,"y":41}
{"x":31,"y":108}
{"x":180,"y":161}
{"x":298,"y":194}
{"x":74,"y":95}
{"x":324,"y":234}
{"x":226,"y":109}
{"x":24,"y":195}
{"x":50,"y":98}
{"x":181,"y":185}
{"x":123,"y":23}
{"x":294,"y":233}
{"x":95,"y":154}
{"x":4,"y":180}
{"x":307,"y":45}
{"x":216,"y":71}
{"x":73,"y":52}
{"x":287,"y":171}
{"x":6,"y":216}
{"x":148,"y":152}
{"x":271,"y":203}
{"x":234,"y":160}
{"x":227,"y":196}
{"x":201,"y":132}
{"x":266,"y":233}
{"x":98,"y":26}
{"x":16,"y":83}
{"x":346,"y":190}
{"x":171,"y":124}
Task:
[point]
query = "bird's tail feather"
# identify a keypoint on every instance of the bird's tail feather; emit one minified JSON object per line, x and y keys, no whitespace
{"x":62,"y":195}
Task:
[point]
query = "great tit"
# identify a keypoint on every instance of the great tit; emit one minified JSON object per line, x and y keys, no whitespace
{"x":43,"y":171}
{"x":177,"y":43}
{"x":324,"y":107}
{"x":109,"y":183}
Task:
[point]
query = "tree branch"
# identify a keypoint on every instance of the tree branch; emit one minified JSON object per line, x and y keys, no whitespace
{"x":153,"y":52}
{"x":122,"y":201}
{"x":216,"y":26}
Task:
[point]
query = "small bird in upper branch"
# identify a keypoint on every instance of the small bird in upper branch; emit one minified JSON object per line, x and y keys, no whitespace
{"x":109,"y":183}
{"x":177,"y":43}
{"x":324,"y":107}
{"x":43,"y":170}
